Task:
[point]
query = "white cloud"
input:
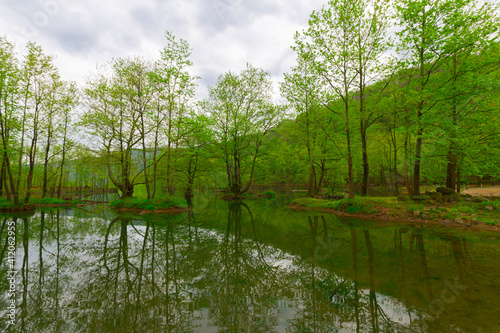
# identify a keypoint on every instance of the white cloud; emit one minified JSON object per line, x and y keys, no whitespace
{"x":224,"y":34}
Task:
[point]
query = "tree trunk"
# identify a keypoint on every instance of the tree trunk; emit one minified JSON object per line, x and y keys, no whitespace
{"x":46,"y":165}
{"x":349,"y":156}
{"x":366,"y":168}
{"x":451,"y":170}
{"x":418,"y":155}
{"x":29,"y":178}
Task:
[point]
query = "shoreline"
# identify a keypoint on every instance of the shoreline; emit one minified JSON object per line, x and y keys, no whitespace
{"x":383,"y":218}
{"x":455,"y":211}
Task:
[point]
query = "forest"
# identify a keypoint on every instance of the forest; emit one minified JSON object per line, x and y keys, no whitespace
{"x":384,"y":97}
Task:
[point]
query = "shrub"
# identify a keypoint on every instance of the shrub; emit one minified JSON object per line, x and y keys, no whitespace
{"x":269,"y":193}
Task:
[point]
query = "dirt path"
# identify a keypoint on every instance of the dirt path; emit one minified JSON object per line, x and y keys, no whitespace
{"x":483,"y":191}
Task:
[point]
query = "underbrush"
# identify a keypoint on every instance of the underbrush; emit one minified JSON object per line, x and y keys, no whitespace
{"x":150,"y":204}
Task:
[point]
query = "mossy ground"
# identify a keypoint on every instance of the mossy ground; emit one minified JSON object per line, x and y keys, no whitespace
{"x":389,"y":208}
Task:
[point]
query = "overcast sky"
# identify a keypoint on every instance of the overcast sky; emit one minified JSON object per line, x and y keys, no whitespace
{"x":224,"y":34}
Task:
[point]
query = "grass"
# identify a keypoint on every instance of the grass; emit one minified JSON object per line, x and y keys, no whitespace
{"x":485,"y":212}
{"x":150,"y":204}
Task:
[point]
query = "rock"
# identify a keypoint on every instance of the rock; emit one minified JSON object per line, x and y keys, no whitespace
{"x":478,"y":199}
{"x":459,"y":221}
{"x":436,"y":195}
{"x":468,"y":199}
{"x":489,"y":208}
{"x":425,"y":217}
{"x":445,"y":190}
{"x":416,"y":213}
{"x":418,"y":197}
{"x":468,"y":224}
{"x":447,"y":221}
{"x":475,"y":221}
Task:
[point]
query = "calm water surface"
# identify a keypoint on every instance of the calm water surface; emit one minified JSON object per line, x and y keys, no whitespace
{"x":252,"y":267}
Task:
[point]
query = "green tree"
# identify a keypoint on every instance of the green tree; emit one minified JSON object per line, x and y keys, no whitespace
{"x":114,"y":118}
{"x":174,"y":90}
{"x":330,"y":43}
{"x":9,"y":90}
{"x":242,"y":113}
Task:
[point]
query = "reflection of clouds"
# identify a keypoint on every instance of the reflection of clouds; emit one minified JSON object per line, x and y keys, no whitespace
{"x":201,"y":276}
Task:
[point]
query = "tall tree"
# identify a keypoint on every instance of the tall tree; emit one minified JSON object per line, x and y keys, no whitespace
{"x":113,"y":117}
{"x":9,"y":82}
{"x":302,"y":89}
{"x":372,"y":41}
{"x":330,"y":44}
{"x":175,"y":88}
{"x":428,"y":40}
{"x":38,"y":74}
{"x":242,"y":113}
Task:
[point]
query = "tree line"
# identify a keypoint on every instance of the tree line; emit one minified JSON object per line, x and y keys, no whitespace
{"x":382,"y":93}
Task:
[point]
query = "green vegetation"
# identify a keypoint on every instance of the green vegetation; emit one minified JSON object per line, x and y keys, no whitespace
{"x":462,"y":212}
{"x":268,"y":194}
{"x":149,"y":204}
{"x":367,"y":112}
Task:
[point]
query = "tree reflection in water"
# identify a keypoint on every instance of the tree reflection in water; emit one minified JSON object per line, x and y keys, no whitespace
{"x":236,"y":268}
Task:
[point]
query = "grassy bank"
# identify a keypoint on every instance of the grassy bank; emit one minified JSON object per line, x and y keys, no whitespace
{"x":460,"y":211}
{"x":151,"y":205}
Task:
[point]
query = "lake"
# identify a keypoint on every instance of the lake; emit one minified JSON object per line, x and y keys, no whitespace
{"x":251,"y":267}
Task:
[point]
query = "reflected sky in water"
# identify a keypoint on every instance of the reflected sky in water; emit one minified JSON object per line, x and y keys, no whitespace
{"x":252,"y":267}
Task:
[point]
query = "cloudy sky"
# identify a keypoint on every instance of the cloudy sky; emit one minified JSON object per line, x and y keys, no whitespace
{"x":224,"y":34}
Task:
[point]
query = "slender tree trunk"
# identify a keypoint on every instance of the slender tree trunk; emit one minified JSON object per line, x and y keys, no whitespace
{"x":311,"y":191}
{"x":63,"y":159}
{"x":418,"y":155}
{"x":21,"y":148}
{"x":144,"y":156}
{"x":349,"y":152}
{"x":32,"y":153}
{"x":2,"y":178}
{"x":364,"y":149}
{"x":46,"y":164}
{"x":407,"y":168}
{"x":363,"y":125}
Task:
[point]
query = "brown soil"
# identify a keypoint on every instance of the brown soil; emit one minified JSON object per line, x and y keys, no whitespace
{"x":483,"y":191}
